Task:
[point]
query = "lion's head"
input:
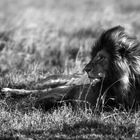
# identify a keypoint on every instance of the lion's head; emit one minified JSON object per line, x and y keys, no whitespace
{"x":115,"y":58}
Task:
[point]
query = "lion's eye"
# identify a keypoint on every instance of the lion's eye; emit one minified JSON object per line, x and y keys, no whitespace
{"x":100,"y":57}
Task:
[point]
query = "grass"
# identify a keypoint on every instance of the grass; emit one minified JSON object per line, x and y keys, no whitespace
{"x":40,"y":38}
{"x":64,"y":123}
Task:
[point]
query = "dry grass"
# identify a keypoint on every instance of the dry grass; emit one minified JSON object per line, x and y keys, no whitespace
{"x":39,"y":38}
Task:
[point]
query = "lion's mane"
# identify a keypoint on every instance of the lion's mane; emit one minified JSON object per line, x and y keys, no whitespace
{"x":123,"y":78}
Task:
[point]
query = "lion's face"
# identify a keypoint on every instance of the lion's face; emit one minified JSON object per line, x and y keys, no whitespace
{"x":98,"y":67}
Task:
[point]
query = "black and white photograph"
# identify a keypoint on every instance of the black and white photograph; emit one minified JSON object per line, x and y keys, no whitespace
{"x":69,"y":69}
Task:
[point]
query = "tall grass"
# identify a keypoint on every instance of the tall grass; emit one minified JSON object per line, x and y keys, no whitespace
{"x":48,"y":33}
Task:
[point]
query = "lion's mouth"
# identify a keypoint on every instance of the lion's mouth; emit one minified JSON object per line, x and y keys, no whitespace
{"x":94,"y":81}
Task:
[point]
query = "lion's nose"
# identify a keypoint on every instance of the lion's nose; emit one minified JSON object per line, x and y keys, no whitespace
{"x":87,"y":68}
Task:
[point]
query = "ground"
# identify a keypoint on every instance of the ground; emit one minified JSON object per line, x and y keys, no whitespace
{"x":41,"y":38}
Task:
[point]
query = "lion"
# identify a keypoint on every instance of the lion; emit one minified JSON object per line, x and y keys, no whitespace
{"x":113,"y":71}
{"x":115,"y":62}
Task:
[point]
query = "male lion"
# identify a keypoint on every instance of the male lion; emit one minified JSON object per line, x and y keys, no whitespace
{"x":114,"y":72}
{"x":115,"y":63}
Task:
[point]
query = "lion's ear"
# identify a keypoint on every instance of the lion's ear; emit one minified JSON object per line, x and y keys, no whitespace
{"x":123,"y":52}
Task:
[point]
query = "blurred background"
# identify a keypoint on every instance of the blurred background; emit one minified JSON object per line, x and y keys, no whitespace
{"x":57,"y":35}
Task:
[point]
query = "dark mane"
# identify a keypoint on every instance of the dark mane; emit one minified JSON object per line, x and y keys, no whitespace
{"x":125,"y":55}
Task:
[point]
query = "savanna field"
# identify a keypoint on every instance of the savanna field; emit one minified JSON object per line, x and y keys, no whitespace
{"x":39,"y":38}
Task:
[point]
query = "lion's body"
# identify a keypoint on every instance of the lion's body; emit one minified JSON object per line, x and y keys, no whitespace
{"x":115,"y":65}
{"x":75,"y":95}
